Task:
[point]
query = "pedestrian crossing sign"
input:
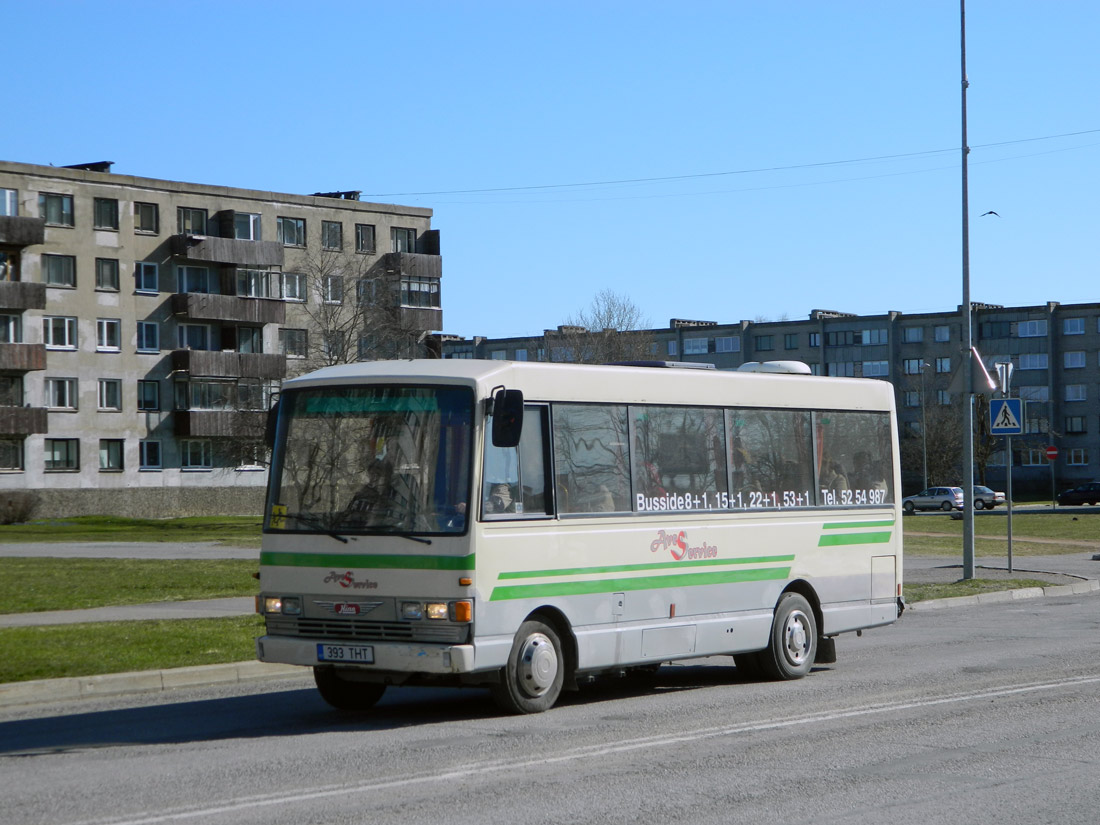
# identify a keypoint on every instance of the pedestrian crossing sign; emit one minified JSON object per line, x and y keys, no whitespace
{"x":1006,"y":416}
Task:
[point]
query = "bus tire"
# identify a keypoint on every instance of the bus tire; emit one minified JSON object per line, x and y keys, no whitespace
{"x":532,"y":680}
{"x":793,"y":647}
{"x":346,"y":695}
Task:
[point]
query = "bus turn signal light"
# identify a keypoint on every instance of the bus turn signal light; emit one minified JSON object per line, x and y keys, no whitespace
{"x":464,"y":611}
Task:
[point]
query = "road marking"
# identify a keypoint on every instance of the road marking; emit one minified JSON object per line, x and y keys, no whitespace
{"x":587,"y":752}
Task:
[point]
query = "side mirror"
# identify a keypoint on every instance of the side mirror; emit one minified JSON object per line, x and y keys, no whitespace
{"x":272,"y":422}
{"x":507,"y":418}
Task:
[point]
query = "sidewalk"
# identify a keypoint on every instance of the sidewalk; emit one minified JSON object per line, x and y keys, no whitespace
{"x":1065,"y":574}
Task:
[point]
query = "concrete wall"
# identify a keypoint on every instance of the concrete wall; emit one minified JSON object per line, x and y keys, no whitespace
{"x":159,"y":502}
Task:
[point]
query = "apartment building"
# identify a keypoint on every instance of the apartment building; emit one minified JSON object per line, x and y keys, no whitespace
{"x":1054,"y":349}
{"x":145,"y":325}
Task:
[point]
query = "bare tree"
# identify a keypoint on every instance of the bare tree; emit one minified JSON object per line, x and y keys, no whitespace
{"x":612,"y":328}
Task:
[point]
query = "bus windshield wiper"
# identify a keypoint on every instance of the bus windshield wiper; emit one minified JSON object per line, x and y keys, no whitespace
{"x":319,"y":523}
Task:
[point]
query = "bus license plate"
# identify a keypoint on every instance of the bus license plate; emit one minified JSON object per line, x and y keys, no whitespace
{"x":353,"y":654}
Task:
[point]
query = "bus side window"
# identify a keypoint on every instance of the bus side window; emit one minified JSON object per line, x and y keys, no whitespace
{"x":513,"y":479}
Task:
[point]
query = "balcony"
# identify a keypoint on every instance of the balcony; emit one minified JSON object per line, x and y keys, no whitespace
{"x":412,"y":263}
{"x":209,"y":364}
{"x":200,"y":307}
{"x":22,"y":421}
{"x":19,"y":231}
{"x":22,"y":357}
{"x":243,"y":424}
{"x":20,"y":295}
{"x":227,"y":250}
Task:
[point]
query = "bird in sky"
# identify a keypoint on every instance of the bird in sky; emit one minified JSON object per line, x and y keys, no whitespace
{"x":990,"y":212}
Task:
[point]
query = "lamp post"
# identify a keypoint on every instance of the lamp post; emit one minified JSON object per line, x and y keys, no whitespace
{"x":923,"y":425}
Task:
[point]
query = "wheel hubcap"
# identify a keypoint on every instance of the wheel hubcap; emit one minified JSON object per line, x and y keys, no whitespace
{"x":538,"y":665}
{"x":798,"y":640}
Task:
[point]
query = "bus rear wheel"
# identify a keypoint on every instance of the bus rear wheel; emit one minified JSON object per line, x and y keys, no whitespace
{"x":345,"y":694}
{"x":793,"y":647}
{"x":531,"y":682}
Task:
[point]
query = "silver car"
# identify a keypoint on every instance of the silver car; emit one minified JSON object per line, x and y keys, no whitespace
{"x":987,"y":499}
{"x":934,"y":498}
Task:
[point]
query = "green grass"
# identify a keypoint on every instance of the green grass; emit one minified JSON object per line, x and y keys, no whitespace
{"x":33,"y":584}
{"x":56,"y":651}
{"x":1058,"y":530}
{"x":237,"y":531}
{"x":966,"y":587}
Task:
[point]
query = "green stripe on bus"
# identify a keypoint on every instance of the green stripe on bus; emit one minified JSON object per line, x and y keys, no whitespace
{"x":852,"y":525}
{"x":854,"y":538}
{"x":380,"y":562}
{"x":583,"y":588}
{"x":634,"y":568}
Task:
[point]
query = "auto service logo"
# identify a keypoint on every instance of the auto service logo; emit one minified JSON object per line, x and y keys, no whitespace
{"x":676,"y":542}
{"x":347,"y":580}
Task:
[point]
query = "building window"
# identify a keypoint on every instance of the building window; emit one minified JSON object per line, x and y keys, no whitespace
{"x":1033,"y":361}
{"x":9,"y":265}
{"x":673,"y":349}
{"x":911,"y":366}
{"x":56,"y":209}
{"x":196,"y":454}
{"x":790,"y":340}
{"x":874,"y":336}
{"x":145,"y":277}
{"x":293,"y":343}
{"x":842,"y":369}
{"x":146,"y":218}
{"x":11,"y":453}
{"x":876,"y":369}
{"x":943,"y":364}
{"x":62,"y":454}
{"x":1077,"y":457}
{"x":59,"y":333}
{"x":419,"y":292}
{"x":106,"y":274}
{"x":364,"y":237}
{"x":911,"y":398}
{"x":110,"y":454}
{"x":294,"y":286}
{"x":59,"y":270}
{"x":942,"y":334}
{"x":840,"y":338}
{"x":498,"y":355}
{"x":110,"y":394}
{"x":105,"y":213}
{"x":332,"y":235}
{"x":1035,"y":420}
{"x":814,"y":339}
{"x":1074,"y":360}
{"x":333,"y":286}
{"x":9,"y":203}
{"x":1075,"y":424}
{"x":61,"y":393}
{"x":11,"y":330}
{"x":1031,"y":457}
{"x":255,"y":283}
{"x":191,"y":221}
{"x":763,"y":343}
{"x":149,"y":455}
{"x":402,"y":240}
{"x":1031,"y":329}
{"x":943,"y":398}
{"x":290,"y":231}
{"x":246,"y":226}
{"x":194,"y":336}
{"x":1073,"y":326}
{"x":334,"y":345}
{"x":1034,"y":393}
{"x":521,"y":355}
{"x":194,"y":279}
{"x":912,"y":335}
{"x":148,"y":336}
{"x":148,"y":395}
{"x":250,"y":339}
{"x":695,"y":346}
{"x":728,"y":343}
{"x":1075,"y":392}
{"x":108,"y":335}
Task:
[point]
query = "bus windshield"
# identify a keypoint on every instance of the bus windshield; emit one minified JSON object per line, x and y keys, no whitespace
{"x":372,"y":459}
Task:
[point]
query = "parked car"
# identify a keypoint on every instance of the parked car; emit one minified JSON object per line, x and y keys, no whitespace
{"x":1083,"y":494}
{"x":934,"y":498}
{"x":986,"y":499}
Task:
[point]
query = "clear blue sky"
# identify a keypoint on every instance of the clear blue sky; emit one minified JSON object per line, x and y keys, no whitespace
{"x":776,"y":121}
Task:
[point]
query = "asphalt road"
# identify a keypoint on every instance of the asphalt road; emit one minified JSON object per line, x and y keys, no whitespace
{"x":964,"y":715}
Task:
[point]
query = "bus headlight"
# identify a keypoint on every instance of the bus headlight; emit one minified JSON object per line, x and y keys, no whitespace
{"x":273,"y":604}
{"x":436,"y":610}
{"x":286,"y":605}
{"x":412,"y":610}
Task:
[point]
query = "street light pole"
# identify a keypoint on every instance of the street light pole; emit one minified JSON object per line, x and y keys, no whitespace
{"x":923,"y":425}
{"x":968,"y":334}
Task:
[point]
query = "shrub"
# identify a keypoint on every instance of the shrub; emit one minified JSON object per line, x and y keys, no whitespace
{"x":17,"y":506}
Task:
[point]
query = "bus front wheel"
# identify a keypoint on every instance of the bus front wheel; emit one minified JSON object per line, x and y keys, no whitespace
{"x":344,"y":694}
{"x":790,"y":653}
{"x":531,"y":681}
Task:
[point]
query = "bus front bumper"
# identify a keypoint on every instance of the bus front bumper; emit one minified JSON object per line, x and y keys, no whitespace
{"x":387,"y":656}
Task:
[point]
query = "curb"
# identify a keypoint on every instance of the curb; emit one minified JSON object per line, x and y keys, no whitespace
{"x":1001,"y":596}
{"x":146,"y":681}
